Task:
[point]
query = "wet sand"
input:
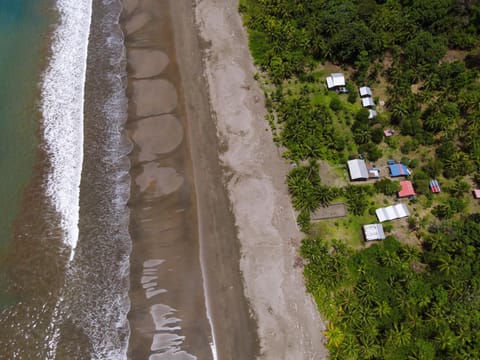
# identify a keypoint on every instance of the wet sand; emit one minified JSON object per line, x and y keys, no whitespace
{"x":181,"y":226}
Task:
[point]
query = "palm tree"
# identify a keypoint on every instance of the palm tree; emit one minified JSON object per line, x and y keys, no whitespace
{"x":349,"y":348}
{"x":313,"y":169}
{"x":445,"y":339}
{"x":446,"y":265}
{"x":400,"y":335}
{"x":399,"y":112}
{"x":334,"y":335}
{"x":362,"y":135}
{"x":369,"y":348}
{"x":356,"y":204}
{"x":459,"y":188}
{"x":383,"y":309}
{"x":324,"y":195}
{"x":431,"y":82}
{"x":409,"y":253}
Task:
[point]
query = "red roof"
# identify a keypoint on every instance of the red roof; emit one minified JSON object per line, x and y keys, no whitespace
{"x":407,"y":189}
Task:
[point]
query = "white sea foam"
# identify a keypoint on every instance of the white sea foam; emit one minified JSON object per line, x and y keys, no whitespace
{"x":63,"y":88}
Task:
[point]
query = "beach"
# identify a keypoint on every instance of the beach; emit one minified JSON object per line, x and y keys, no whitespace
{"x":183,"y":234}
{"x":215,"y":270}
{"x":289,"y":326}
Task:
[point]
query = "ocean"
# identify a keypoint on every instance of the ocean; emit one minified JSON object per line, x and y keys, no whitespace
{"x":22,"y":29}
{"x":65,"y":182}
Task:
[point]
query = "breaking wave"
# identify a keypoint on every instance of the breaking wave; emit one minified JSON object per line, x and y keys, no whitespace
{"x":62,"y":104}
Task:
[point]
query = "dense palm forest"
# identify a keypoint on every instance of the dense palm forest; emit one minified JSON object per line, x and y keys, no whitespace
{"x":398,"y":299}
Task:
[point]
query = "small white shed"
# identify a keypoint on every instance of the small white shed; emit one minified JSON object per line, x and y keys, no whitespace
{"x":365,"y":91}
{"x":368,"y":102}
{"x":373,"y":232}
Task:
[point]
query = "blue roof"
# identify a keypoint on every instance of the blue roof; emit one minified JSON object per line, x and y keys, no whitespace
{"x":399,"y":170}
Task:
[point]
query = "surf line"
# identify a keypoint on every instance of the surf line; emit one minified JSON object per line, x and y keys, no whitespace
{"x":62,"y":107}
{"x":62,"y":103}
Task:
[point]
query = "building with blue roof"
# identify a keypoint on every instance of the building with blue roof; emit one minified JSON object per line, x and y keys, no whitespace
{"x":399,"y":170}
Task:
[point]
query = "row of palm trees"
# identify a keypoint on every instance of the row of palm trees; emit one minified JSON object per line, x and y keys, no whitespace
{"x":308,"y":193}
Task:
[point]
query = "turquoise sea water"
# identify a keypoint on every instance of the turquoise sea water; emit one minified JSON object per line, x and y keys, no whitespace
{"x":23,"y":27}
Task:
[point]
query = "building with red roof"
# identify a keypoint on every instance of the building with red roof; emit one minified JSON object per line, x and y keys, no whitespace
{"x":406,"y":190}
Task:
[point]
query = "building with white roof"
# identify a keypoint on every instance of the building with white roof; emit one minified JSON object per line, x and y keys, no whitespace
{"x":365,"y":91}
{"x":367,"y":102}
{"x":392,"y":212}
{"x":371,"y":113}
{"x":373,"y":232}
{"x":357,"y":169}
{"x":335,"y":80}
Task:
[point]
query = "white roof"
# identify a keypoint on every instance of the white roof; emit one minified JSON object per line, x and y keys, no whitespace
{"x":367,"y":101}
{"x":365,"y":91}
{"x":335,"y":79}
{"x":392,"y":212}
{"x":373,"y":232}
{"x":357,"y":169}
{"x":371,"y":113}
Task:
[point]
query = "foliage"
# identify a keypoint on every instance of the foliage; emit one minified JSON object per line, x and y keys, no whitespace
{"x":377,"y":135}
{"x":387,"y":186}
{"x":392,"y":302}
{"x":421,"y":182}
{"x":336,"y":104}
{"x":458,"y":188}
{"x":288,"y":38}
{"x":302,"y":185}
{"x":308,"y":130}
{"x":357,"y":198}
{"x":356,"y":32}
{"x":424,"y":48}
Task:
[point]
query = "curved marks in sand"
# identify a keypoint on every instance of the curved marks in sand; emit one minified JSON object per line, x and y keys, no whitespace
{"x":129,"y":6}
{"x":136,"y":22}
{"x":158,"y":181}
{"x":167,"y":341}
{"x":149,"y":277}
{"x":154,"y":97}
{"x":157,"y":135}
{"x":145,"y":63}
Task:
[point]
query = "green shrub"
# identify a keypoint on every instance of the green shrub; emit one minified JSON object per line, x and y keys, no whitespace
{"x":388,"y":227}
{"x":336,"y":104}
{"x":387,"y":186}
